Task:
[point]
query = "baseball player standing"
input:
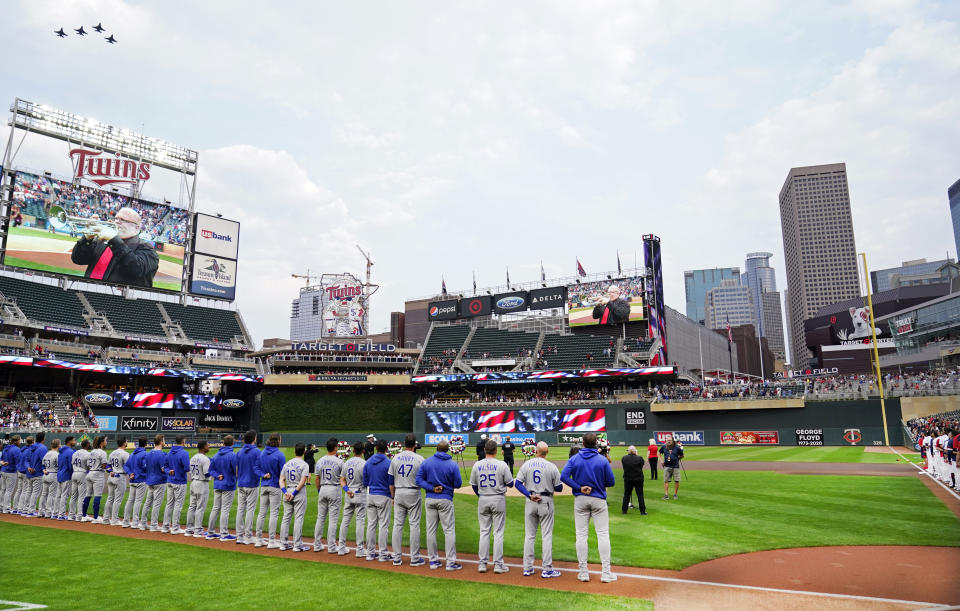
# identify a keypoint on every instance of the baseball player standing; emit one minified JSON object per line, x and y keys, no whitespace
{"x":589,"y":475}
{"x":156,"y":482}
{"x":96,"y":478}
{"x":79,"y":480}
{"x":64,"y":475}
{"x":490,"y":479}
{"x":35,"y":474}
{"x":199,"y":491}
{"x":440,"y":476}
{"x":376,"y":481}
{"x":49,"y":496}
{"x":22,"y":495}
{"x":116,"y":482}
{"x":355,"y":501}
{"x":223,"y":470}
{"x":407,"y":500}
{"x":328,"y":471}
{"x":136,"y":469}
{"x":8,"y":471}
{"x":248,"y":484}
{"x":293,"y":486}
{"x":538,"y":479}
{"x":177,"y":466}
{"x":271,"y":464}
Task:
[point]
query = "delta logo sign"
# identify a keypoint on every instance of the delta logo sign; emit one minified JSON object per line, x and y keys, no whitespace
{"x":105,"y":169}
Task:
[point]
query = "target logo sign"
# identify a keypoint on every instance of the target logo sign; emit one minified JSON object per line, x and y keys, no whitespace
{"x":475,"y":307}
{"x":852,"y":436}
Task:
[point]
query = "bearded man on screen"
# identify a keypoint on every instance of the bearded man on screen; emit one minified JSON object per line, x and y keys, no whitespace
{"x":120,"y":257}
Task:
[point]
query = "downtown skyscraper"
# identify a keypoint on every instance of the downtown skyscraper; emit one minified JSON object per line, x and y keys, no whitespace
{"x":818,"y":246}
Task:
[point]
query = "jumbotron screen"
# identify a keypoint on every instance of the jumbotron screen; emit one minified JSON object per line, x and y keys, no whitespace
{"x":49,"y":217}
{"x":587,"y":302}
{"x":516,"y":421}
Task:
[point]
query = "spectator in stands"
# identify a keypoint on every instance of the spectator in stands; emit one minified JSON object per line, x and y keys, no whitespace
{"x":123,"y":257}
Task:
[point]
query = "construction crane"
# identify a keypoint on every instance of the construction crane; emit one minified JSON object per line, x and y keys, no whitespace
{"x":308,"y":276}
{"x":368,"y":288}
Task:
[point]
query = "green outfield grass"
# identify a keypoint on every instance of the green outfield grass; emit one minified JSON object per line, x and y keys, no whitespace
{"x":41,"y":233}
{"x":43,"y":267}
{"x":841,"y":454}
{"x":175,"y":576}
{"x":728,"y":512}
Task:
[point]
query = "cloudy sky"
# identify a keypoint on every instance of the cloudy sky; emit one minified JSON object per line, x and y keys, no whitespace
{"x":447,"y":138}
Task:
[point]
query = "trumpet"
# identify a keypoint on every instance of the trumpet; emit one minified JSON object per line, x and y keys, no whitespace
{"x":88,"y":228}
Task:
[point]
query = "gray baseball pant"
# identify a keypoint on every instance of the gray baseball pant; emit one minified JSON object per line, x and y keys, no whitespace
{"x":407,"y":505}
{"x":328,"y":505}
{"x":9,"y":486}
{"x":96,"y":482}
{"x":134,"y":506}
{"x":175,"y":495}
{"x":586,"y":508}
{"x":78,"y":491}
{"x":295,"y":509}
{"x":22,"y":494}
{"x":270,"y":499}
{"x":353,"y":506}
{"x":116,"y":486}
{"x":538,"y":514}
{"x":378,"y":523}
{"x":49,"y":495}
{"x":222,"y":502}
{"x":246,"y":508}
{"x":199,"y":494}
{"x":36,"y":487}
{"x":63,"y":494}
{"x":440,"y":512}
{"x":154,"y":502}
{"x":492,"y":514}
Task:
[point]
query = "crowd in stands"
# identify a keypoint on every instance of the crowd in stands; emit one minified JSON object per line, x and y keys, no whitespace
{"x":718,"y":390}
{"x":42,"y":414}
{"x":340,"y":372}
{"x":524,"y":397}
{"x":938,"y":438}
{"x":340,"y":358}
{"x":436,"y":364}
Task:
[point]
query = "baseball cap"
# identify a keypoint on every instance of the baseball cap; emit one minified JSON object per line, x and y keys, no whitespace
{"x":370,"y":436}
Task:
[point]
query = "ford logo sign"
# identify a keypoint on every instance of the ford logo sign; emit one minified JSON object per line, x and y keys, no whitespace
{"x":509,"y":303}
{"x":434,"y":311}
{"x":98,"y":398}
{"x":232,"y":403}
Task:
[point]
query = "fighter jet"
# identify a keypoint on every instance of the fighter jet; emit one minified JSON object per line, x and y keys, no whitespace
{"x":60,"y":33}
{"x":80,"y":31}
{"x":111,"y":40}
{"x":99,"y":28}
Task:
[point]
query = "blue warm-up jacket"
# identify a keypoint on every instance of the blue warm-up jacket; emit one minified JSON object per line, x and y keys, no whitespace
{"x":439,"y":470}
{"x":375,"y":476}
{"x":36,"y":460}
{"x":178,"y":461}
{"x":248,"y":470}
{"x":156,"y":467}
{"x":588,"y":468}
{"x":65,"y":464}
{"x":271,"y":461}
{"x":224,"y":463}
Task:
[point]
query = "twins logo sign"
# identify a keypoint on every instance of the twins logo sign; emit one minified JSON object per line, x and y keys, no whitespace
{"x":852,"y":436}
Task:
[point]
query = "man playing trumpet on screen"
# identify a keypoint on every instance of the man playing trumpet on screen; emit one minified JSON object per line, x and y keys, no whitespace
{"x":115,"y":253}
{"x":612,"y":309}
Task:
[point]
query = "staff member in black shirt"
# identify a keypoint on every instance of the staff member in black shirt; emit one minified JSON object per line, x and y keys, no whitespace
{"x":633,"y":479}
{"x":481,"y":452}
{"x":308,"y":456}
{"x":508,"y":447}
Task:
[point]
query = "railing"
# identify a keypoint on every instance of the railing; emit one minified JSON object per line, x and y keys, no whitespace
{"x":337,"y":358}
{"x":531,"y":402}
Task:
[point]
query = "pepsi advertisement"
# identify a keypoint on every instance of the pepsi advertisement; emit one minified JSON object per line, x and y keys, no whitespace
{"x":442,"y":310}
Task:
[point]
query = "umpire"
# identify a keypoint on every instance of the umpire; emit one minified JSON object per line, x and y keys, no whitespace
{"x":633,"y":479}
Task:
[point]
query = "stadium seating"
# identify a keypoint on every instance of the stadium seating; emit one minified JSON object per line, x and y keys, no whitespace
{"x":218,"y":368}
{"x":205,"y":324}
{"x":133,"y":316}
{"x":572,"y":351}
{"x":443,"y":338}
{"x":499,"y":344}
{"x":45,"y":303}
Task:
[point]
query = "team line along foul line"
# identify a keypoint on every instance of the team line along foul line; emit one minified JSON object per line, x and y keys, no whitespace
{"x":924,"y":472}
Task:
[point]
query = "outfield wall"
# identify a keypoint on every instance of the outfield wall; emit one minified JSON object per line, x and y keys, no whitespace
{"x":296,"y":410}
{"x":834,"y":418}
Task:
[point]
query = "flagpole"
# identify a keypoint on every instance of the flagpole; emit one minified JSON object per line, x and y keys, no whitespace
{"x":700,"y":343}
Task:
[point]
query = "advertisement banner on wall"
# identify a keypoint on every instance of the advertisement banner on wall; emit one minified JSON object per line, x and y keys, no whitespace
{"x":107,"y":423}
{"x":475,"y":306}
{"x":687,"y":438}
{"x":746,"y":438}
{"x":544,"y":299}
{"x":432,"y":439}
{"x":219,"y":419}
{"x":216,"y":236}
{"x":174,"y":424}
{"x":213,"y":277}
{"x":442,"y":310}
{"x":139,"y":423}
{"x":505,"y":303}
{"x":809,"y":437}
